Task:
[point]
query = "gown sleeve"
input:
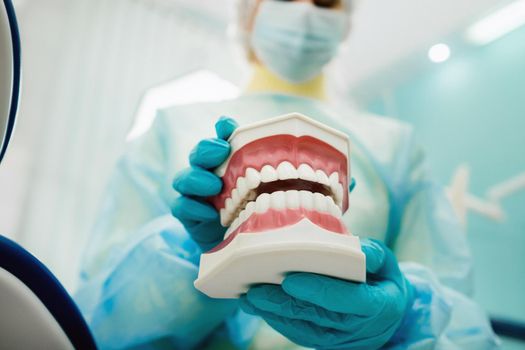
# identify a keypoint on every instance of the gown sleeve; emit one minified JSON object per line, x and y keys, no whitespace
{"x":137,"y":278}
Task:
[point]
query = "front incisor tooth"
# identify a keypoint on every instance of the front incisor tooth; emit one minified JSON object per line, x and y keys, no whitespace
{"x":307,"y":200}
{"x":322,"y":178}
{"x":253,"y":178}
{"x":320,"y":202}
{"x":287,"y":171}
{"x":268,"y":174}
{"x":292,"y":199}
{"x":262,"y":204}
{"x":242,"y":187}
{"x":278,"y":200}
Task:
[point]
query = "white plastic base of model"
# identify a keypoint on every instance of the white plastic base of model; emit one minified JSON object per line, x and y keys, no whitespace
{"x":25,"y":323}
{"x":265,"y":257}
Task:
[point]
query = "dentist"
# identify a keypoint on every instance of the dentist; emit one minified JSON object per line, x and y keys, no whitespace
{"x":143,"y":257}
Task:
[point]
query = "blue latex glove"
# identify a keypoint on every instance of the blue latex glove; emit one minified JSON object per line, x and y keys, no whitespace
{"x":201,"y":219}
{"x":328,"y":313}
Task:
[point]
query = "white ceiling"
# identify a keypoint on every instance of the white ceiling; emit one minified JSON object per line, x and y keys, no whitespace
{"x":387,"y":31}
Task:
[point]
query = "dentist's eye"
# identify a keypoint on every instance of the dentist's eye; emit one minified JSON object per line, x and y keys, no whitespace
{"x":321,"y":3}
{"x":327,"y":3}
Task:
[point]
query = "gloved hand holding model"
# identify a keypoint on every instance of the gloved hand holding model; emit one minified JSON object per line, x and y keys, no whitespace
{"x":311,"y":310}
{"x":327,"y":313}
{"x":200,"y":219}
{"x":283,"y":187}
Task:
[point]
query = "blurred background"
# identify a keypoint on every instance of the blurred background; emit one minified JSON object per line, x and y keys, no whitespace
{"x":96,"y":70}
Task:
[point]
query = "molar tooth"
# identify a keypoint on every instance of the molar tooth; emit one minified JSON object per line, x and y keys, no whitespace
{"x":334,"y":179}
{"x":235,"y":224}
{"x":287,"y":171}
{"x":332,"y":207}
{"x":278,"y":200}
{"x":307,"y":199}
{"x":242,"y":187}
{"x":335,"y":185}
{"x":306,"y":173}
{"x":236,"y":199}
{"x":242,"y":216}
{"x":228,"y":211}
{"x":336,"y":211}
{"x":228,"y":221}
{"x":253,"y":178}
{"x":229,"y":206}
{"x":224,"y":217}
{"x":228,"y":232}
{"x":320,"y":202}
{"x":322,"y":178}
{"x":338,"y":192}
{"x":292,"y":199}
{"x":250,"y":209}
{"x":329,"y":201}
{"x":268,"y":174}
{"x":262,"y":204}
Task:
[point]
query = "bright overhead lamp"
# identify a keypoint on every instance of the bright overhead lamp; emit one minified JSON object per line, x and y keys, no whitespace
{"x":497,"y":24}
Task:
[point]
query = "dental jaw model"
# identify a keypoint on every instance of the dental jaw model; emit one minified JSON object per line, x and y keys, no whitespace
{"x":285,"y":190}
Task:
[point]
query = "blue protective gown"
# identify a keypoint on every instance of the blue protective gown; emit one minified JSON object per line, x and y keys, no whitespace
{"x":137,"y":277}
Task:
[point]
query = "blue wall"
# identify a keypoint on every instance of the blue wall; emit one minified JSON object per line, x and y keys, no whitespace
{"x":472,"y":109}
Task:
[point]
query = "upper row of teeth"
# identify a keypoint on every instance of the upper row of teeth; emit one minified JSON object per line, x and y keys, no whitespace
{"x":280,"y":200}
{"x":245,"y":186}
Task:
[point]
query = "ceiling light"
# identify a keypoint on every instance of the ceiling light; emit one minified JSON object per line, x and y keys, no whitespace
{"x":497,"y":24}
{"x":439,"y":53}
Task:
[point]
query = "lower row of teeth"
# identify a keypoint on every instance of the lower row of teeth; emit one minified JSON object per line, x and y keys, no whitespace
{"x":281,"y":200}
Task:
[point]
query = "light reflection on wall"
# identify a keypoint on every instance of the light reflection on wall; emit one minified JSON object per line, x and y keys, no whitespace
{"x":470,"y":110}
{"x":199,"y":86}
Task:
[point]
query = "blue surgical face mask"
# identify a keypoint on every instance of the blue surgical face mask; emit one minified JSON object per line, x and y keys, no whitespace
{"x":295,"y":40}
